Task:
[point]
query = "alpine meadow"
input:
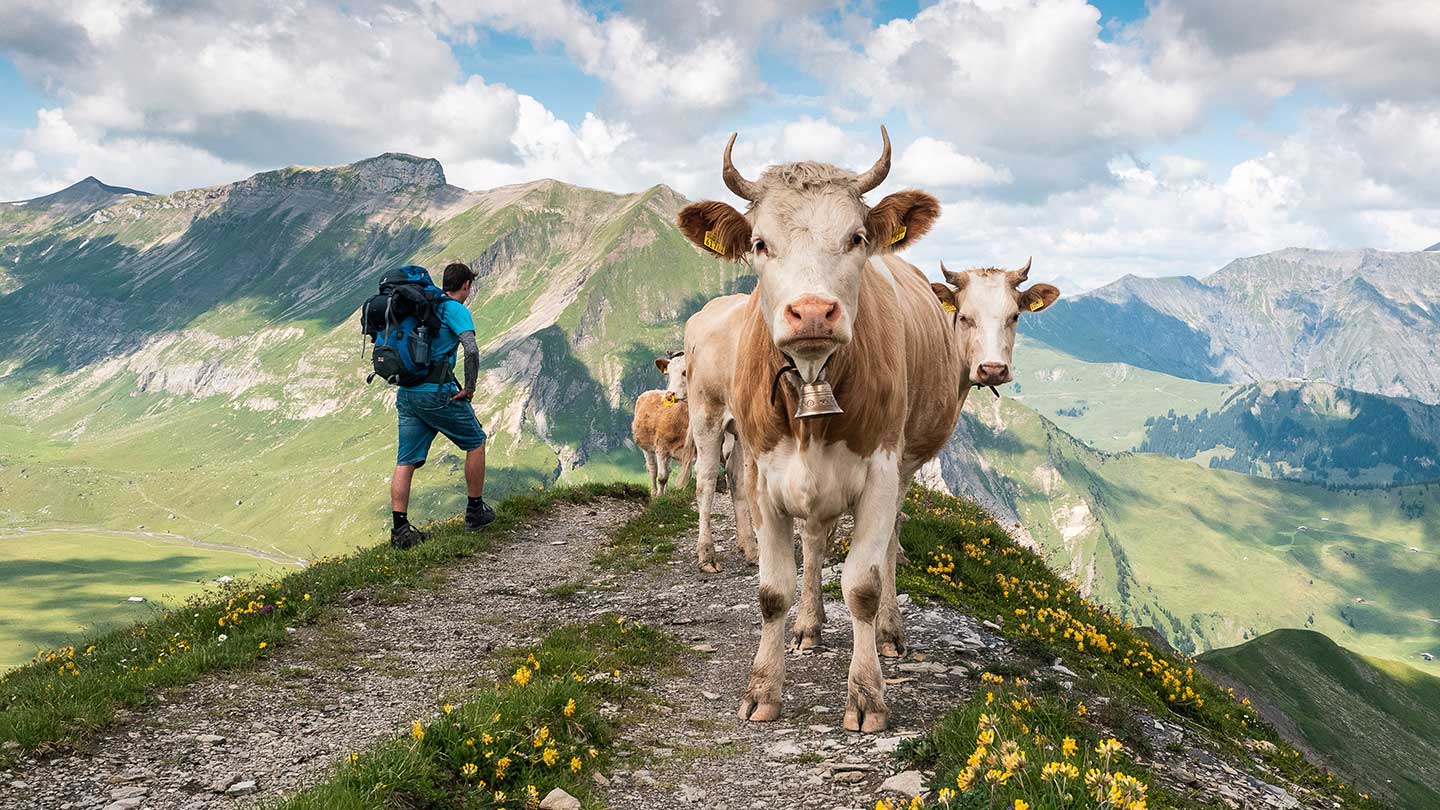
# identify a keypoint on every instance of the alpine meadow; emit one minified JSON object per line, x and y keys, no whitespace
{"x":950,"y":405}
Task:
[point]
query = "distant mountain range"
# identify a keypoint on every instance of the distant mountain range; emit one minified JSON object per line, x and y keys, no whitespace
{"x":1363,"y":319}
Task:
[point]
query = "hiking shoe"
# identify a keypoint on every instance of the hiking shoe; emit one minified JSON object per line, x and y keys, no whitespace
{"x":479,"y":517}
{"x":407,"y":536}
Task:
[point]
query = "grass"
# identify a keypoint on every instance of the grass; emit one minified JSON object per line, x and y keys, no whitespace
{"x":649,"y":540}
{"x":1377,"y":721}
{"x":539,"y":729}
{"x":64,"y":695}
{"x":960,"y":556}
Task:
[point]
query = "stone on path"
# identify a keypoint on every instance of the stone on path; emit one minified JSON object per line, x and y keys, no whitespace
{"x":907,"y":783}
{"x":558,"y":799}
{"x":784,"y":749}
{"x":125,"y":804}
{"x":242,"y":788}
{"x":209,"y":739}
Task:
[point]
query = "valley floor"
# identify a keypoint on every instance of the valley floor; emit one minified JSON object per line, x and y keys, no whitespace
{"x":362,"y":674}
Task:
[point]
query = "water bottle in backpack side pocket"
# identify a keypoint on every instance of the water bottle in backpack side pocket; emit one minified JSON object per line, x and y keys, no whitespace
{"x":419,"y":341}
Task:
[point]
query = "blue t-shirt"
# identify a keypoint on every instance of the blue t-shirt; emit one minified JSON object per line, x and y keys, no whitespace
{"x":455,"y":320}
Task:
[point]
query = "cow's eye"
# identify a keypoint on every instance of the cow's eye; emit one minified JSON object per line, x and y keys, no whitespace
{"x":857,"y":240}
{"x":760,"y":247}
{"x":965,"y":319}
{"x":1015,"y":317}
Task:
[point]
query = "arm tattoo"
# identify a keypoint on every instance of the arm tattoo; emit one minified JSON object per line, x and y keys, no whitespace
{"x":472,"y":360}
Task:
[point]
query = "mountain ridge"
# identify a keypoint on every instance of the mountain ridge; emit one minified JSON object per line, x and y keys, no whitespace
{"x":1364,"y":319}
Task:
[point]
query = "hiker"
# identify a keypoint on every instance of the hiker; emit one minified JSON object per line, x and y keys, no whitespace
{"x":427,"y":408}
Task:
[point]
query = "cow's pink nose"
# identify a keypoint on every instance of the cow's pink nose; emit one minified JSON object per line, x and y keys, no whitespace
{"x":993,"y":372}
{"x":812,"y":316}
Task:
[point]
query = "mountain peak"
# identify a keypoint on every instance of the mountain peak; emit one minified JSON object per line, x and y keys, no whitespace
{"x":408,"y":169}
{"x":1434,"y":247}
{"x":82,"y":197}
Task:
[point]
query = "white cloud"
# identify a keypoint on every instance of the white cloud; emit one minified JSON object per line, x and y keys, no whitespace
{"x":928,"y":161}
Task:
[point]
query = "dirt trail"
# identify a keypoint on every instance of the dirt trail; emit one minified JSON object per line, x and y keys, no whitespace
{"x":345,"y":684}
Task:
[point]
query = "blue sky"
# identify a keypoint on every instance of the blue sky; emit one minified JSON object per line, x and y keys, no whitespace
{"x":1119,"y":137}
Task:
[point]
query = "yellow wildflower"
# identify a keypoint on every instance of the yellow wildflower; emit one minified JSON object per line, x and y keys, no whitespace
{"x":263,"y":645}
{"x":576,"y":764}
{"x":522,"y":675}
{"x":570,"y":708}
{"x":1021,"y":804}
{"x":1068,"y":747}
{"x":447,"y":708}
{"x":469,"y":770}
{"x":551,"y":756}
{"x":416,"y":730}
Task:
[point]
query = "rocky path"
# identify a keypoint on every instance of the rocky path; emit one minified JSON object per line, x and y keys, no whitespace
{"x":236,"y":738}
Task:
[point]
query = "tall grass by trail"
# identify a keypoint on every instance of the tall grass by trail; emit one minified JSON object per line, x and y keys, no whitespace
{"x":508,"y":745}
{"x":63,"y":696}
{"x":960,"y":555}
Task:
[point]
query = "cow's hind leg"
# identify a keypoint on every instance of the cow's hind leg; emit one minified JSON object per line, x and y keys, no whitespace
{"x":889,"y":626}
{"x":811,"y":620}
{"x":736,"y":473}
{"x":761,"y":702}
{"x":865,"y":569}
{"x":650,"y":467}
{"x":662,"y":468}
{"x":707,"y":437}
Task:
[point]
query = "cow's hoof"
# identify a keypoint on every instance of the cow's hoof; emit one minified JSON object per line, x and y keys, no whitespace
{"x":759,"y":712}
{"x":805,"y":638}
{"x":866,"y":722}
{"x":709,"y":567}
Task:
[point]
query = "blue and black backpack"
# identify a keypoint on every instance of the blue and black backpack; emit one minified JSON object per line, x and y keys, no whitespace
{"x":400,"y":321}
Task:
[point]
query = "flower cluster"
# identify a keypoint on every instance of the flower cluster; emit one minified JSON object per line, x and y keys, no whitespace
{"x":1024,"y":755}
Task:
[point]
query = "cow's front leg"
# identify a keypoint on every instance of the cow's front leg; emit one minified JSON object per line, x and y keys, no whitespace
{"x":813,"y":537}
{"x":863,"y":583}
{"x":889,"y":626}
{"x":777,"y":589}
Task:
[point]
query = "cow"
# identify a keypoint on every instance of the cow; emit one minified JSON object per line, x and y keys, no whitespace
{"x":661,"y":426}
{"x":986,"y":304}
{"x":710,"y":350}
{"x":823,"y":311}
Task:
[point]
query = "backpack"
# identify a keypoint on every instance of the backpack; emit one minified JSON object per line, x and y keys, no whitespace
{"x":400,"y":321}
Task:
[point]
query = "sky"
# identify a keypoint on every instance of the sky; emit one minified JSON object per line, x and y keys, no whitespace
{"x":1155,"y":137}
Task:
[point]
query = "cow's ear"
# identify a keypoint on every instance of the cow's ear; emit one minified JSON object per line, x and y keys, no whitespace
{"x":716,"y":227}
{"x":662,"y":364}
{"x":900,"y":219}
{"x":948,"y":299}
{"x":1037,"y":297}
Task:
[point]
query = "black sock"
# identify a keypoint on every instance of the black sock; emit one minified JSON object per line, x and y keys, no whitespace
{"x":474,"y":503}
{"x":401,"y":521}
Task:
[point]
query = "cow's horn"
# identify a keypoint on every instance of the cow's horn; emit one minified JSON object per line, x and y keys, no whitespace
{"x":1017,"y":277}
{"x":957,"y":280}
{"x":734,"y":180}
{"x":876,"y":174}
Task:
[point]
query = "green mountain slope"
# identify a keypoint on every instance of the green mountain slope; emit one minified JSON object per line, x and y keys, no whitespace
{"x":1310,"y":431}
{"x":1363,"y":319}
{"x":191,"y":363}
{"x":1374,"y":721}
{"x":1210,"y":558}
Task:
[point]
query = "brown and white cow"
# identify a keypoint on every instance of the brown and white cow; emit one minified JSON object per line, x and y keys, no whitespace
{"x":710,"y":352}
{"x":661,"y":426}
{"x":987,"y":304}
{"x":876,"y":332}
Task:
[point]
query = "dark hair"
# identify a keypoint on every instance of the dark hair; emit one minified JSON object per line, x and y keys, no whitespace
{"x":456,"y":275}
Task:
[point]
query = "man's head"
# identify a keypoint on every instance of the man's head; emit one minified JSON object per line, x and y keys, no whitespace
{"x":458,"y":281}
{"x":808,"y":233}
{"x":988,"y":304}
{"x":676,"y":379}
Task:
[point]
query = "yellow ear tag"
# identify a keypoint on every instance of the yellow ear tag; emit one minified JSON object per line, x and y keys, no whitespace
{"x":949,"y":307}
{"x":1037,"y":304}
{"x":713,"y":243}
{"x":667,"y":400}
{"x":900,"y":234}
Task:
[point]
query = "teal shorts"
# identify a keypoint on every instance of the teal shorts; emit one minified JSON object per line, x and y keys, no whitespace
{"x":423,"y":414}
